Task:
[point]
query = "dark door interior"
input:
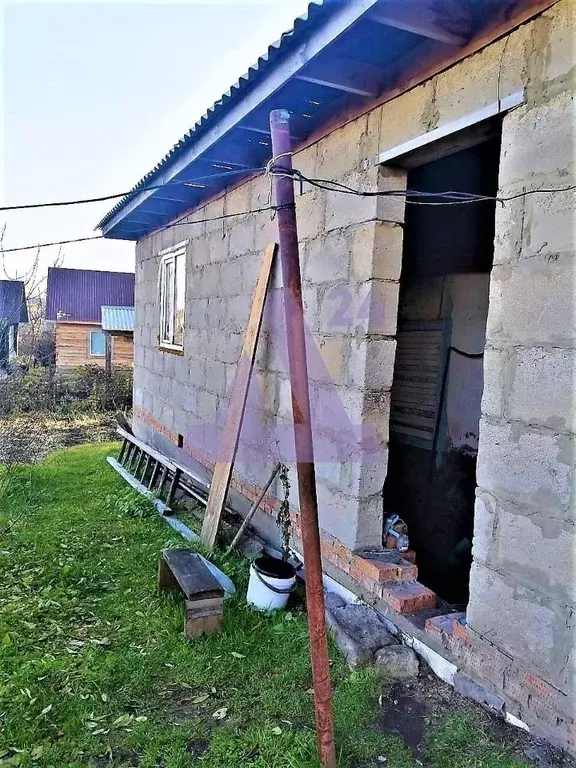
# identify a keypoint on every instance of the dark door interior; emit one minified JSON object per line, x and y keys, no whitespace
{"x":437,"y":390}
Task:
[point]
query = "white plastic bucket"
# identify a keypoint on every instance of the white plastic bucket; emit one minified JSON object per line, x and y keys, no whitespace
{"x":271,"y":582}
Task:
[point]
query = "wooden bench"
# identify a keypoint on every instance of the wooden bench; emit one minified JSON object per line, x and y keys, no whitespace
{"x":184,"y":571}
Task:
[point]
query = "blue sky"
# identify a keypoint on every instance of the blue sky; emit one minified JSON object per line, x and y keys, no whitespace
{"x":94,"y":94}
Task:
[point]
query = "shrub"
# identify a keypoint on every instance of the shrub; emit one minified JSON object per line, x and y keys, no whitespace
{"x":85,"y":389}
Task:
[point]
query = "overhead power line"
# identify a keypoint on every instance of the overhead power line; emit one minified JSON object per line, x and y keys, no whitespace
{"x":191,"y":183}
{"x":412,"y":196}
{"x":47,"y":245}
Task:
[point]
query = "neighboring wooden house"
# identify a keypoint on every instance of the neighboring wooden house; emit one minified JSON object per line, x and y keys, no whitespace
{"x":13,"y":313}
{"x":74,"y":302}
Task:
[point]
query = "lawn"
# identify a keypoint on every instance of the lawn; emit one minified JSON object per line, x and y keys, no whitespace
{"x":94,"y":669}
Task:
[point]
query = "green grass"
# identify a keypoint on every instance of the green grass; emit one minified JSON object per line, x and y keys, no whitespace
{"x":94,"y":669}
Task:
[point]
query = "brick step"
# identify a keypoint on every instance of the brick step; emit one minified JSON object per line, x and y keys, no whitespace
{"x":449,"y":629}
{"x":409,"y":597}
{"x":385,"y":566}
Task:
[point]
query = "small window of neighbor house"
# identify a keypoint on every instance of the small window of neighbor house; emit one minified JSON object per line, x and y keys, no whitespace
{"x":172,"y":296}
{"x":97,"y":344}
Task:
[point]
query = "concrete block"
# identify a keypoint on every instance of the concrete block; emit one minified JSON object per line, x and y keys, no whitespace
{"x":528,"y":467}
{"x":207,"y":406}
{"x":355,"y":309}
{"x":532,"y":303}
{"x":407,"y":116}
{"x":310,"y":208}
{"x":369,"y":519}
{"x":538,"y":549}
{"x":391,"y":209}
{"x":265,"y":230}
{"x":327,"y":259}
{"x":333,"y":352}
{"x":485,"y":521}
{"x":197,"y":372}
{"x":380,"y":355}
{"x":370,"y":139}
{"x":339,"y":152}
{"x":513,"y":618}
{"x":549,"y":224}
{"x":543,"y":388}
{"x":533,"y":155}
{"x":558,"y":54}
{"x":357,"y":629}
{"x":344,"y":210}
{"x":397,"y":663}
{"x":469,"y":688}
{"x":238,"y":312}
{"x":285,"y":400}
{"x":215,"y":377}
{"x":376,"y":424}
{"x":311,"y":306}
{"x":509,"y":230}
{"x":376,"y":251}
{"x":363,"y":476}
{"x":476,"y":81}
{"x":239,"y":199}
{"x":496,"y":366}
{"x":371,"y":363}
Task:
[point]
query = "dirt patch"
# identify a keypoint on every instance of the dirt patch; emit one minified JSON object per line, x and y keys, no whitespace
{"x":180,"y":704}
{"x":197,"y":747}
{"x":29,"y":439}
{"x":411,"y":710}
{"x":119,"y":758}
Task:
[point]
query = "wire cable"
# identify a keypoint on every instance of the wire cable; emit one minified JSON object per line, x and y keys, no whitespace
{"x":160,"y":229}
{"x":191,"y":183}
{"x":411,"y":196}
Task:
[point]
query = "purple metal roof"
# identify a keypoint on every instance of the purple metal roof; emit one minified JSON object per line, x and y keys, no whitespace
{"x":13,"y":302}
{"x":79,"y":294}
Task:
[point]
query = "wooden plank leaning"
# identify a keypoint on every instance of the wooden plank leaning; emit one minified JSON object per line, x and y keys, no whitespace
{"x":236,"y":405}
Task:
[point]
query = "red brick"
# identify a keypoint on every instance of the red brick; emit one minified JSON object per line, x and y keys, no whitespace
{"x":408,"y":598}
{"x":410,"y":556}
{"x":382,"y":572}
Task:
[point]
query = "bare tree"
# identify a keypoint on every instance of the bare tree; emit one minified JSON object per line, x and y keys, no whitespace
{"x":36,"y":336}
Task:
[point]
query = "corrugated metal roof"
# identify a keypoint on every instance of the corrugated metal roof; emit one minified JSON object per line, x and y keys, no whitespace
{"x":13,"y":309}
{"x":118,"y":319}
{"x":79,"y":294}
{"x":301,"y":25}
{"x":338,"y":57}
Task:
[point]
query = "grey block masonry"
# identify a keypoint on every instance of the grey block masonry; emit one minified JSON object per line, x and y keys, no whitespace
{"x":522,"y":585}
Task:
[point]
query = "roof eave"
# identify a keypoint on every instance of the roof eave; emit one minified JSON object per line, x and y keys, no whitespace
{"x":343,"y":17}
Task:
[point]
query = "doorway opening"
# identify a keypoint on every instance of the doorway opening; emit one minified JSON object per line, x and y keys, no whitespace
{"x":438,"y":376}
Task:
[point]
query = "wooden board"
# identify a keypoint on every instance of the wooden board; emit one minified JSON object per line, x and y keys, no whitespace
{"x":236,"y":405}
{"x":183,"y":569}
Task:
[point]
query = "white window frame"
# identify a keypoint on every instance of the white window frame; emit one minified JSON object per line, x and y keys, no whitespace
{"x":169,"y":256}
{"x":90,"y":334}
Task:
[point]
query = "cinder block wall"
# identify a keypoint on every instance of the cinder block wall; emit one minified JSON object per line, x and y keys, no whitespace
{"x":523,"y":584}
{"x":522,"y":591}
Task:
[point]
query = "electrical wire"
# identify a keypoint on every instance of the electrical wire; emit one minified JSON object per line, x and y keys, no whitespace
{"x":191,"y":183}
{"x":411,"y":196}
{"x":47,"y":245}
{"x":160,"y":229}
{"x":451,"y":197}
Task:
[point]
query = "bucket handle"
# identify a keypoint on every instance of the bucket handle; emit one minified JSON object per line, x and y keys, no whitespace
{"x":275,"y":589}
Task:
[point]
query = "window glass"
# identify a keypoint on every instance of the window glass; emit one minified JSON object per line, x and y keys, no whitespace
{"x":179,"y":278}
{"x":97,"y":343}
{"x":167,"y":301}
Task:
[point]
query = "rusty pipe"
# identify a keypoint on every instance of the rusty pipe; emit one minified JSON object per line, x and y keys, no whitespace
{"x":298,"y":368}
